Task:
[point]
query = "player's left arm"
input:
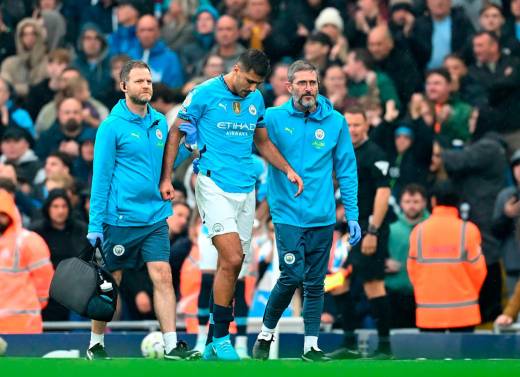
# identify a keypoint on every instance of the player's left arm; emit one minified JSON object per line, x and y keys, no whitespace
{"x":275,"y":158}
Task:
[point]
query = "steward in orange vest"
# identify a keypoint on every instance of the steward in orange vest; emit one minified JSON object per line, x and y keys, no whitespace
{"x":446,"y":266}
{"x":25,"y":273}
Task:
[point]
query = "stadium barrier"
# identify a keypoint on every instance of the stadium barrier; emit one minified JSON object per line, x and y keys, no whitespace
{"x":124,"y":340}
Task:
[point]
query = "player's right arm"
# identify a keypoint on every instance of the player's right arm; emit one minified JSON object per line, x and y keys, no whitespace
{"x":104,"y":162}
{"x":170,"y":154}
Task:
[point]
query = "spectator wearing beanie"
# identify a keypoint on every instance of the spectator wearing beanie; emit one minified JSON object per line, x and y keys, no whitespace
{"x":330,"y":22}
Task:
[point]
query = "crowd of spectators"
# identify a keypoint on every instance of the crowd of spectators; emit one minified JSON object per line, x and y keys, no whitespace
{"x":438,"y":80}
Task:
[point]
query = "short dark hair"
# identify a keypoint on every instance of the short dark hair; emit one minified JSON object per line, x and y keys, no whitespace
{"x":164,"y":92}
{"x":8,"y":185}
{"x":490,"y":34}
{"x":179,"y":186}
{"x":129,"y":65}
{"x":441,"y":72}
{"x":414,"y":188}
{"x":63,"y":157}
{"x":489,"y":6}
{"x":362,"y":55}
{"x":356,"y":109}
{"x":70,"y":68}
{"x":255,"y":60}
{"x":445,"y":194}
{"x":123,"y":58}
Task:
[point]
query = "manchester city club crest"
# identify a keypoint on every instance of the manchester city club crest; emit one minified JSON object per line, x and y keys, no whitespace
{"x":218,"y":228}
{"x":118,"y":250}
{"x":289,"y":258}
{"x":252,"y":110}
{"x":236,"y":107}
{"x":159,"y":134}
{"x":319,"y":134}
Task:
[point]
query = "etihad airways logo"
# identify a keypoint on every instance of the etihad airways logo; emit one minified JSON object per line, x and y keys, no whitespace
{"x":237,"y":128}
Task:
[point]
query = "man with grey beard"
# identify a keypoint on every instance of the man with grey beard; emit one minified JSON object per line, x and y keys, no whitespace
{"x":314,"y":138}
{"x":67,"y":133}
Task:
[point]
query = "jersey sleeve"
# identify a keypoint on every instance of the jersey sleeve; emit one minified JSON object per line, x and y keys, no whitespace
{"x":193,"y":106}
{"x":260,"y":123}
{"x":379,"y":169}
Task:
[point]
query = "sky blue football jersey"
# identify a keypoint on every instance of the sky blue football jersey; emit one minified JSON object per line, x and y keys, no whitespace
{"x":226,"y":125}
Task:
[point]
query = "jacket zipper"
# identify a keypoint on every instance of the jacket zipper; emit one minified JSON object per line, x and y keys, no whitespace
{"x":302,"y":156}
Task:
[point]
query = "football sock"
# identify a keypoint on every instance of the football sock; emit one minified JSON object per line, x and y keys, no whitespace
{"x":170,"y":341}
{"x":96,"y":338}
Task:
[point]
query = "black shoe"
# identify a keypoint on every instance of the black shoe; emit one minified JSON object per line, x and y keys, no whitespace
{"x":97,"y":352}
{"x":182,"y":352}
{"x":344,"y":353}
{"x":262,"y":347}
{"x":315,"y":355}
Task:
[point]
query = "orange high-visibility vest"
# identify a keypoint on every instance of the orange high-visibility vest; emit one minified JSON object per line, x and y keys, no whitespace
{"x":447,"y":270}
{"x":25,"y":274}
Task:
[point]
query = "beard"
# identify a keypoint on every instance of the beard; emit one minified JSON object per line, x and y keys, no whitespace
{"x":139,"y":100}
{"x":307,"y":103}
{"x":414,"y":216}
{"x":71,"y":126}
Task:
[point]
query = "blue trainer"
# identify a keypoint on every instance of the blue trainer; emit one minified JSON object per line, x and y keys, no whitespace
{"x":208,"y":354}
{"x":224,"y":349}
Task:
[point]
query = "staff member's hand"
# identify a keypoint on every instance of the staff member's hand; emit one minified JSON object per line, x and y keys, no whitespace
{"x":295,"y":178}
{"x":92,"y":237}
{"x":166,"y":189}
{"x":191,"y":133}
{"x":354,"y":231}
{"x":369,"y":244}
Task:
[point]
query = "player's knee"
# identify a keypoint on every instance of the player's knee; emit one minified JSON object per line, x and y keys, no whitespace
{"x":232,"y":263}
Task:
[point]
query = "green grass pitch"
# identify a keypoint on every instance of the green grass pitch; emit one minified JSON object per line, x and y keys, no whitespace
{"x":21,"y":367}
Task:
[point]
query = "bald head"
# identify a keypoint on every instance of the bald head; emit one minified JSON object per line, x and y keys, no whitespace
{"x":227,"y":31}
{"x":148,"y":31}
{"x":380,"y":42}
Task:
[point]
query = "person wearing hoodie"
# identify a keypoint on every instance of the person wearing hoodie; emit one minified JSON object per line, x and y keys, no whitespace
{"x":28,"y":66}
{"x":400,"y":290}
{"x":123,"y":39}
{"x":165,"y":64}
{"x":193,"y":53}
{"x":25,"y":272}
{"x":16,"y":150}
{"x":315,"y":140}
{"x":92,"y":59}
{"x":65,"y":237}
{"x":478,"y":172}
{"x":127,"y":213}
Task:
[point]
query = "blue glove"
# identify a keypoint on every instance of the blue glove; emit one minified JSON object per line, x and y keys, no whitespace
{"x":191,"y":133}
{"x":92,"y":237}
{"x":354,"y":231}
{"x":196,"y":163}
